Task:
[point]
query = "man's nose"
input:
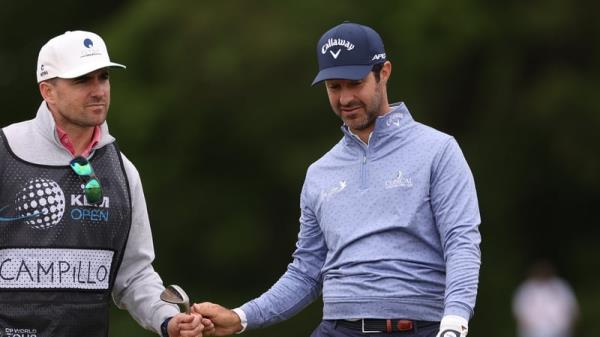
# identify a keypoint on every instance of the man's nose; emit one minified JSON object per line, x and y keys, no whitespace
{"x":346,"y":96}
{"x":99,"y":88}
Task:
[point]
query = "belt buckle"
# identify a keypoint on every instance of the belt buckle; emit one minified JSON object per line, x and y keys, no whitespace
{"x":367,"y":331}
{"x":404,"y":325}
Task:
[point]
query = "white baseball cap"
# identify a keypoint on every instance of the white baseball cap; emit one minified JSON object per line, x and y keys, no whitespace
{"x":72,"y":54}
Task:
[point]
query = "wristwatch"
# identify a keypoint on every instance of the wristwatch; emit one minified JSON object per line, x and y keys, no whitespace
{"x":164,"y":330}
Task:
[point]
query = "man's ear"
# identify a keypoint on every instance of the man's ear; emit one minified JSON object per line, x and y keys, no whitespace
{"x":47,"y":91}
{"x":386,"y":71}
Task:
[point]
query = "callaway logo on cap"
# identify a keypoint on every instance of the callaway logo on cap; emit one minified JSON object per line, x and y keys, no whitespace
{"x":71,"y":55}
{"x":348,"y":51}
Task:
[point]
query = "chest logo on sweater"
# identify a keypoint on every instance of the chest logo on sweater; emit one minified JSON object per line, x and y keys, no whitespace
{"x":327,"y":194}
{"x":400,"y":180}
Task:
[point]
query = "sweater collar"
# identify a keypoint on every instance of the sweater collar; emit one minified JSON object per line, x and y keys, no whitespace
{"x":386,"y":126}
{"x":44,"y":122}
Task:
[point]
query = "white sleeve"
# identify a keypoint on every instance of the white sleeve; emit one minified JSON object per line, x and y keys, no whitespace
{"x":137,"y":286}
{"x":243,"y":319}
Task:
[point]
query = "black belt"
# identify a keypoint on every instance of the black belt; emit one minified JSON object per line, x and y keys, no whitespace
{"x":385,"y":325}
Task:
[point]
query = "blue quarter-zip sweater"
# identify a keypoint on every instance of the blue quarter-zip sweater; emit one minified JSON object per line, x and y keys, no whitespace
{"x":387,"y":230}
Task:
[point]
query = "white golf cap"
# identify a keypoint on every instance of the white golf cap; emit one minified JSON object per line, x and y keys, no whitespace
{"x":72,"y":54}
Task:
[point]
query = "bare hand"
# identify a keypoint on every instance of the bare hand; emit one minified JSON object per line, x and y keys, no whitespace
{"x":182,"y":325}
{"x":225,"y":321}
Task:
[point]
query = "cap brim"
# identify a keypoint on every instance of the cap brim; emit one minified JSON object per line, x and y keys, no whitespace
{"x":353,"y":73}
{"x":88,"y":68}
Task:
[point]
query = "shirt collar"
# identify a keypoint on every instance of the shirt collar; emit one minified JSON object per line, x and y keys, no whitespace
{"x":63,"y":137}
{"x":358,"y":138}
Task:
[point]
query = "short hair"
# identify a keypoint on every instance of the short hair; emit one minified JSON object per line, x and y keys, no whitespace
{"x":377,"y":70}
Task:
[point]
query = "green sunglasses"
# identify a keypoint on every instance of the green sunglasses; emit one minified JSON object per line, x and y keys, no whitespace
{"x":92,"y":188}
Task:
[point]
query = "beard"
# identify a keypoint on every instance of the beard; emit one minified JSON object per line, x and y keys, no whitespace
{"x":362,"y":120}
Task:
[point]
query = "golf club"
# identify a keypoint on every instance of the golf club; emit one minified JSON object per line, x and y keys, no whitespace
{"x":174,"y":294}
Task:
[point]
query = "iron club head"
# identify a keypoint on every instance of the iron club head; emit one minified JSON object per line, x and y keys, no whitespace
{"x":174,"y":294}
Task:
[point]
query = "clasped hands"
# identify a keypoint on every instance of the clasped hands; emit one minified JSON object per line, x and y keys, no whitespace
{"x":206,"y":319}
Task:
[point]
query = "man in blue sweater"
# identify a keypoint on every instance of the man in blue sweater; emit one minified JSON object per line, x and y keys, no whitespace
{"x":389,"y":216}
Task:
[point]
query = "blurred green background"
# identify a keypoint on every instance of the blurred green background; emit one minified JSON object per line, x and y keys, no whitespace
{"x":216,"y":111}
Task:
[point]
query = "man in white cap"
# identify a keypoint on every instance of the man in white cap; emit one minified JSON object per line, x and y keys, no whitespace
{"x":74,"y":227}
{"x":389,"y":216}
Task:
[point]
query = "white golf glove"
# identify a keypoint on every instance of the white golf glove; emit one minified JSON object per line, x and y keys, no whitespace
{"x":453,"y":326}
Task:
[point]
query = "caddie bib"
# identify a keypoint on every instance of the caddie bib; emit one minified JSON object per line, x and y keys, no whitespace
{"x":59,"y":254}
